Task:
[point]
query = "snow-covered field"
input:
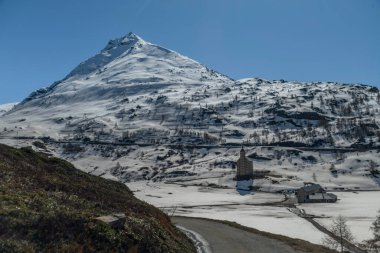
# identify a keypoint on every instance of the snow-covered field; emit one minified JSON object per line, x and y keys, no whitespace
{"x":360,"y":209}
{"x":253,"y":210}
{"x":165,"y":195}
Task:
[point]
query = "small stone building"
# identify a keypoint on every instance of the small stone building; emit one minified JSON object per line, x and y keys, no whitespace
{"x":244,"y":167}
{"x":314,"y":193}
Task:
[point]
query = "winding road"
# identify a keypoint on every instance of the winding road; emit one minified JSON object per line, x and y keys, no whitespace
{"x":222,"y":238}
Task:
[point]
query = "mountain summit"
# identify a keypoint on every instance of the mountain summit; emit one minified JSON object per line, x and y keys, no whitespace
{"x":115,"y":48}
{"x":126,"y":66}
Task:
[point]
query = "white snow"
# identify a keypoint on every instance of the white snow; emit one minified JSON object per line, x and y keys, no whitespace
{"x":227,"y":204}
{"x":6,"y":107}
{"x":256,"y":210}
{"x":140,"y":112}
{"x":359,"y":208}
{"x":201,"y":245}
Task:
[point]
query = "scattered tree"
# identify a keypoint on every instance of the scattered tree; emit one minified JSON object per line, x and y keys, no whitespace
{"x":333,"y":169}
{"x":314,"y":177}
{"x":373,"y":245}
{"x":373,"y":168}
{"x":341,"y":234}
{"x":376,"y":232}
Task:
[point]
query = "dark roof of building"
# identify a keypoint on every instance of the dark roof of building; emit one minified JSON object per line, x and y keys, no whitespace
{"x":325,"y":196}
{"x":311,"y":187}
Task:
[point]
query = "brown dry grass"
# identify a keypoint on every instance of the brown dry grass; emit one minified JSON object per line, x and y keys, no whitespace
{"x":47,"y":205}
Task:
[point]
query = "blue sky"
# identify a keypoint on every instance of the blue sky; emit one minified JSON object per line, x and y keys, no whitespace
{"x":313,"y":40}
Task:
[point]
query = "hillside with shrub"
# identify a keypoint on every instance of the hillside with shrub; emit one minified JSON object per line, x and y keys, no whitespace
{"x":47,"y":205}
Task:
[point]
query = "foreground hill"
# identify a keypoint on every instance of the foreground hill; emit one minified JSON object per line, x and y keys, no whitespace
{"x":49,"y":206}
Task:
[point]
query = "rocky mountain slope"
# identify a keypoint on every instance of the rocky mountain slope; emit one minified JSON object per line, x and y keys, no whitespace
{"x":139,"y":111}
{"x":49,"y":206}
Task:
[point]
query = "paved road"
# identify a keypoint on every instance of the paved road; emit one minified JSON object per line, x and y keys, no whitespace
{"x":222,"y":238}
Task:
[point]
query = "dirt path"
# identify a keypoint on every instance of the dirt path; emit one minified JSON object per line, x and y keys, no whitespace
{"x":222,"y":238}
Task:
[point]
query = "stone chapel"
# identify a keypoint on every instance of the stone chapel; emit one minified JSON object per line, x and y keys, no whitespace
{"x":244,"y":167}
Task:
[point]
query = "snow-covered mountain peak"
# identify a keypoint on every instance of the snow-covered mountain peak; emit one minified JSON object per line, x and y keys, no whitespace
{"x":113,"y":50}
{"x":125,"y":42}
{"x":125,"y":66}
{"x":132,"y":36}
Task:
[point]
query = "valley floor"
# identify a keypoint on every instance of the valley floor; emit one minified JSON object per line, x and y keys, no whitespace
{"x":205,"y":188}
{"x":262,"y":211}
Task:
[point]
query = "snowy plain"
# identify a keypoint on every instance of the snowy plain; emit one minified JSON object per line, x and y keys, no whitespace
{"x":359,"y":208}
{"x":255,"y":210}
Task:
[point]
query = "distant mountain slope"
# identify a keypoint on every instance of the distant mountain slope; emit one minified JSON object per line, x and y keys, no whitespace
{"x":132,"y":87}
{"x":136,"y":94}
{"x":49,"y":206}
{"x":6,"y":107}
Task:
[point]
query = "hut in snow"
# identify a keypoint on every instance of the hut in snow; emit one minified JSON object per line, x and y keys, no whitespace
{"x":314,"y":193}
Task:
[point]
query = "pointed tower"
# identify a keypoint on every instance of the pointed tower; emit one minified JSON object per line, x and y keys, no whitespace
{"x":244,"y":167}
